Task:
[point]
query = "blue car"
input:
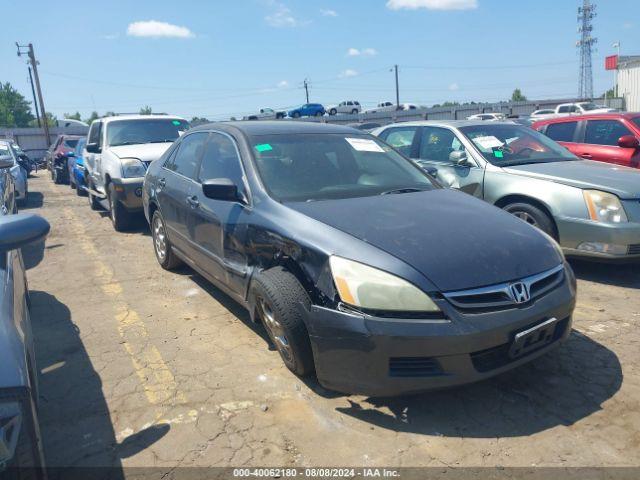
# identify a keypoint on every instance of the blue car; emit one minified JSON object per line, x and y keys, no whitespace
{"x":307,"y":110}
{"x":76,"y":168}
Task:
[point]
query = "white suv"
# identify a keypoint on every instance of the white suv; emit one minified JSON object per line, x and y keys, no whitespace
{"x":349,"y":106}
{"x":118,"y":151}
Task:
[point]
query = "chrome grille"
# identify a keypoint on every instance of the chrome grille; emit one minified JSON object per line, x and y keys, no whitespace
{"x":634,"y":249}
{"x":507,"y":294}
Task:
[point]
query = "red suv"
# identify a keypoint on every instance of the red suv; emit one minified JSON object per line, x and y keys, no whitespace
{"x":606,"y":137}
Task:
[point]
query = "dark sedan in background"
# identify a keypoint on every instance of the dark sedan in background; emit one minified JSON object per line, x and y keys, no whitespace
{"x":360,"y":266}
{"x":20,"y":445}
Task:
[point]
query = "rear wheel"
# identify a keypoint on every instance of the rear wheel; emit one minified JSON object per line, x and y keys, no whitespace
{"x":533,"y":215}
{"x":333,"y":111}
{"x":296,"y":115}
{"x":354,"y":111}
{"x":161,"y":244}
{"x":279,"y":296}
{"x":120,"y":217}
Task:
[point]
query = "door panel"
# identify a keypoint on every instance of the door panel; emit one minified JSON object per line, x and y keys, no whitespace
{"x":601,"y":143}
{"x":219,"y":227}
{"x":435,"y":146}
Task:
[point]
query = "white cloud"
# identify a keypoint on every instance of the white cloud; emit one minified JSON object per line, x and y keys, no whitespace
{"x":155,"y":29}
{"x":348,"y":73}
{"x":454,"y":86}
{"x":627,"y":25}
{"x":282,"y":16}
{"x":432,"y":4}
{"x":328,"y":13}
{"x":365,"y":52}
{"x":283,"y":84}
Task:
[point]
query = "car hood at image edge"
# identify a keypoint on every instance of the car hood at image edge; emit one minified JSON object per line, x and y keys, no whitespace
{"x":621,"y":181}
{"x":455,"y":240}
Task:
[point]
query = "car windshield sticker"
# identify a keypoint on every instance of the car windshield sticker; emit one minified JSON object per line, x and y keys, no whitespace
{"x":488,"y":142}
{"x":364,"y":145}
{"x":264,"y":147}
{"x":176,"y":123}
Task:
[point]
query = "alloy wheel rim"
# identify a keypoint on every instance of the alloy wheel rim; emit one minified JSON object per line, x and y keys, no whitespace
{"x":526,"y":217}
{"x":159,"y":238}
{"x":275,"y":330}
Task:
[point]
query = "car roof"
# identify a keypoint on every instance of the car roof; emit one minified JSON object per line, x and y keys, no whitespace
{"x":587,"y":116}
{"x":137,"y":117}
{"x":277,"y":127}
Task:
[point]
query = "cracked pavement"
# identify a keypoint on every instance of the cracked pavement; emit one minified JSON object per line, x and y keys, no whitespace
{"x":143,"y":367}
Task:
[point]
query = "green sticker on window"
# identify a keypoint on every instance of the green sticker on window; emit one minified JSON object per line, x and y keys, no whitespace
{"x":498,"y":154}
{"x":176,"y":123}
{"x":264,"y":147}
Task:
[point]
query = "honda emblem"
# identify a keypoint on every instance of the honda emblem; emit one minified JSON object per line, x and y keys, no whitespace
{"x":519,"y":292}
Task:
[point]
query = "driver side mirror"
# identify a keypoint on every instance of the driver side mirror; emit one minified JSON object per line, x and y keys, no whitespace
{"x":93,"y":148}
{"x":221,"y":189}
{"x":6,"y":161}
{"x":460,"y":158}
{"x":21,"y":229}
{"x":628,"y":141}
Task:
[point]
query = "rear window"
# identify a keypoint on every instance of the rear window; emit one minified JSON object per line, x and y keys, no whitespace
{"x":561,"y":132}
{"x":71,"y":143}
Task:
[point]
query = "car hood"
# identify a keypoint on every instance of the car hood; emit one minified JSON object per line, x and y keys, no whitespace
{"x":147,"y":152}
{"x":455,"y":240}
{"x":621,"y":181}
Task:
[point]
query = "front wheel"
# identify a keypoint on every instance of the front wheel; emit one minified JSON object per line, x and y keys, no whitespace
{"x":94,"y":204}
{"x":120,"y":217}
{"x":296,"y":115}
{"x":533,"y":215}
{"x":319,"y":114}
{"x":333,"y":111}
{"x":354,"y":111}
{"x":161,"y":245}
{"x":279,"y":298}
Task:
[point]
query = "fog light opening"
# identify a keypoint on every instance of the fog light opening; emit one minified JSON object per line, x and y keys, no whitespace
{"x":609,"y":248}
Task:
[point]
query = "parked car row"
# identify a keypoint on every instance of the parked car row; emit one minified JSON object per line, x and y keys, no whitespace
{"x":347,"y":107}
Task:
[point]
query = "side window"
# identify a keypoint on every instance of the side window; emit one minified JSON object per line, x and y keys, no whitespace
{"x":221,"y":160}
{"x":401,"y":139}
{"x":438,"y":143}
{"x":564,"y":109}
{"x":561,"y":132}
{"x":604,"y":132}
{"x":94,"y":133}
{"x":189,"y":152}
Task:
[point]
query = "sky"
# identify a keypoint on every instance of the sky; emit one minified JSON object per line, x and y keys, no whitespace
{"x":217,"y":59}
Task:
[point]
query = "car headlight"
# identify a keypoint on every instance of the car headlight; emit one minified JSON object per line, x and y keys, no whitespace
{"x":10,"y":423}
{"x":369,"y":288}
{"x":604,"y":207}
{"x":132,"y":167}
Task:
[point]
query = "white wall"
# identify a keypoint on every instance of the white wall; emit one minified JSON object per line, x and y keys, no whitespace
{"x":629,"y":87}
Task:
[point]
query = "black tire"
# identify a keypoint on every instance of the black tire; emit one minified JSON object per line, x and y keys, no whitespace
{"x":354,"y":111}
{"x":296,"y":115}
{"x":169,"y":260}
{"x":533,"y":216}
{"x":278,"y":296}
{"x":81,"y":192}
{"x":120,"y":217}
{"x":94,"y":204}
{"x":319,"y":114}
{"x":333,"y":111}
{"x":55,"y":176}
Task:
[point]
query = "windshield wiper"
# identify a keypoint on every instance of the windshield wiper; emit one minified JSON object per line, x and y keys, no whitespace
{"x":162,"y":141}
{"x":403,"y":190}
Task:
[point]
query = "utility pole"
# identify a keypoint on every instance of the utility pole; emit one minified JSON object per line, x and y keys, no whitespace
{"x":586,"y":14}
{"x":306,"y":88}
{"x":616,"y":46}
{"x":35,"y":100}
{"x":397,"y":88}
{"x":34,"y":63}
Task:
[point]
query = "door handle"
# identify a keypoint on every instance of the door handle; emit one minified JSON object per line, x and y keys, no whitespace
{"x":162,"y":182}
{"x":193,"y":201}
{"x":586,"y":155}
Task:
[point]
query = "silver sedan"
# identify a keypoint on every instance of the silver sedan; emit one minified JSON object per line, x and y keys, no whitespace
{"x":591,"y":208}
{"x":18,"y":173}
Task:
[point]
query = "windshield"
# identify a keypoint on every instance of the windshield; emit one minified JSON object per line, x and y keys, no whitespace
{"x":505,"y":145}
{"x":4,"y":150}
{"x":308,"y":167}
{"x":156,"y":130}
{"x":588,"y":106}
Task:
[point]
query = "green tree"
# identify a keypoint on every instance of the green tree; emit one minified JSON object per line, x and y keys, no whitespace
{"x":146,"y":110}
{"x":75,"y":116}
{"x":517,"y":96}
{"x":94,"y":116}
{"x":609,"y":93}
{"x":15,"y":110}
{"x":51,"y":120}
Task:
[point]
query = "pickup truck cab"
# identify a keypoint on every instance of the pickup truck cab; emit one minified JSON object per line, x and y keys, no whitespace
{"x":116,"y":156}
{"x":581,"y":108}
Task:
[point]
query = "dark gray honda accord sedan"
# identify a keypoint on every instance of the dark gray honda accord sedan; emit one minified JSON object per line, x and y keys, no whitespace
{"x":359,"y":265}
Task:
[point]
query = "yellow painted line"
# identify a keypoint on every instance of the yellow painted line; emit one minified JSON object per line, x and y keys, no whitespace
{"x":159,"y":384}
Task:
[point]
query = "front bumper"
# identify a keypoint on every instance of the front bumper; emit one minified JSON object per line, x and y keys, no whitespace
{"x":375,"y":356}
{"x":621,"y":241}
{"x":129,"y":192}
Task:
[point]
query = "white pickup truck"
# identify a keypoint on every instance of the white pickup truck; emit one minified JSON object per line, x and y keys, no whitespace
{"x":266,"y":114}
{"x":116,"y":156}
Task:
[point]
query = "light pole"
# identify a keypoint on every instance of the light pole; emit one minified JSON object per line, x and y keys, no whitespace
{"x":615,"y":86}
